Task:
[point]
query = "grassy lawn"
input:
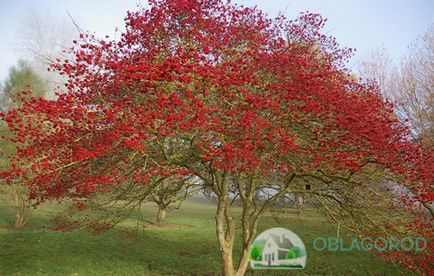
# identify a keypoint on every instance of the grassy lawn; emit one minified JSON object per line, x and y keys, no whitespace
{"x":186,"y":245}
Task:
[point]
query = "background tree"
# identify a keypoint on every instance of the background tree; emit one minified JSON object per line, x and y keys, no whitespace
{"x":416,"y":88}
{"x":255,"y":106}
{"x":411,"y":85}
{"x":41,"y":39}
{"x":170,"y":191}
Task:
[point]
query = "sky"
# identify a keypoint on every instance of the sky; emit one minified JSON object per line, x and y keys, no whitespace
{"x":363,"y":24}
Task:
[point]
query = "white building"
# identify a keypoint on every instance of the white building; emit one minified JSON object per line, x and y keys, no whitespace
{"x":275,"y":250}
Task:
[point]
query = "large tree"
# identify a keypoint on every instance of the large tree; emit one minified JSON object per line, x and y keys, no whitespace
{"x":256,"y":107}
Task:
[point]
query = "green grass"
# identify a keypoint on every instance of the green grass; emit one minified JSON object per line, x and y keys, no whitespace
{"x":185,"y":245}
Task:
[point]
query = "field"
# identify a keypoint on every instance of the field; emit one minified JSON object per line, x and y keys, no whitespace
{"x":185,"y":245}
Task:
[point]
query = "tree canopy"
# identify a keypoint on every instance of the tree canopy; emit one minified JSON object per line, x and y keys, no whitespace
{"x":244,"y":103}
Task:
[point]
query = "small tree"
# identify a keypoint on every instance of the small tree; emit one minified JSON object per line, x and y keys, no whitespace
{"x":170,"y":190}
{"x":294,"y":252}
{"x":255,"y":253}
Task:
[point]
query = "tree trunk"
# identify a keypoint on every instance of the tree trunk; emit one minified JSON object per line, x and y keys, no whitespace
{"x":22,"y":206}
{"x":21,"y":219}
{"x":228,"y":265}
{"x":161,"y":215}
{"x":225,"y":244}
{"x":300,"y":205}
{"x":225,"y":227}
{"x":244,"y":262}
{"x":226,"y":239}
{"x":225,"y":223}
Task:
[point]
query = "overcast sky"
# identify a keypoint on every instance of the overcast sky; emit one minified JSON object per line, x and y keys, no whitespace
{"x":363,"y":24}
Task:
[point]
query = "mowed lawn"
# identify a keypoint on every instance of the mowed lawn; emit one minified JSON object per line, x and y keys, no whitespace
{"x":185,"y":245}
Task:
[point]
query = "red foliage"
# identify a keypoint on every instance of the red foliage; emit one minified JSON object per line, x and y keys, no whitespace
{"x":256,"y":94}
{"x":419,"y":262}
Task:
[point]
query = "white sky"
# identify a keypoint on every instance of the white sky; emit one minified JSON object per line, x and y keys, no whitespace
{"x":363,"y":24}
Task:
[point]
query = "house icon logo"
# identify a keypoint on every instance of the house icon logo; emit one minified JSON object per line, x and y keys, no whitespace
{"x":278,"y":248}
